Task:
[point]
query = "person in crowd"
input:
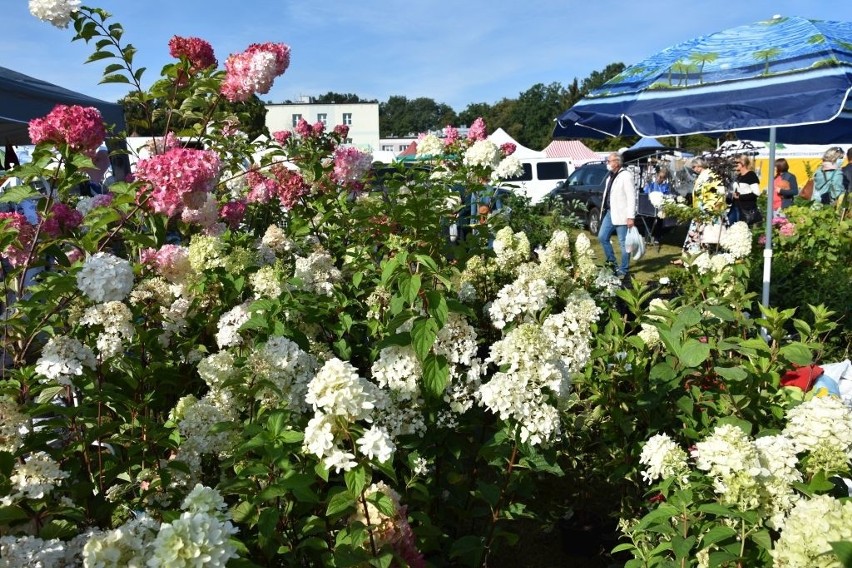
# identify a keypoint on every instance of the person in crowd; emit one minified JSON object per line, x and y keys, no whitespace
{"x":786,"y":185}
{"x":618,"y":210}
{"x":97,"y":174}
{"x":746,"y":190}
{"x":660,"y":182}
{"x":708,"y":195}
{"x":847,"y":178}
{"x":828,"y":179}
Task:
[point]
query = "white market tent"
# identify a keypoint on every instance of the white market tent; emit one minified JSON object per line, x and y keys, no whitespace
{"x":500,"y":137}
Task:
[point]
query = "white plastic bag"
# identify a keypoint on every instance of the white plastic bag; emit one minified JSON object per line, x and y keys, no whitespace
{"x":635,"y":243}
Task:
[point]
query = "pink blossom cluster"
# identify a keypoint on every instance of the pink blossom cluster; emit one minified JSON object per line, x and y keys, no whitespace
{"x":179,"y":178}
{"x":477,"y":130}
{"x":81,"y":128}
{"x":451,"y":135}
{"x":198,"y":52}
{"x":170,"y":261}
{"x":163,"y":144}
{"x":306,"y":130}
{"x":508,"y":148}
{"x":785,"y":227}
{"x":342,"y":130}
{"x":232,"y":213}
{"x":253,"y":70}
{"x":279,"y":181}
{"x":17,"y":252}
{"x":281,"y":136}
{"x":350,"y":164}
{"x":61,"y":220}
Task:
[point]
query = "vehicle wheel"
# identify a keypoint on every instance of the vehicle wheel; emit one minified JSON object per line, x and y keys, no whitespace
{"x":594,"y":220}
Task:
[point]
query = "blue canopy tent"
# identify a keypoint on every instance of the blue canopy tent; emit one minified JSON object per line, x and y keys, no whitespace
{"x":787,"y":79}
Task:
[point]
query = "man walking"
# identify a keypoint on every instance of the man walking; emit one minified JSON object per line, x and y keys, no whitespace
{"x":617,"y":213}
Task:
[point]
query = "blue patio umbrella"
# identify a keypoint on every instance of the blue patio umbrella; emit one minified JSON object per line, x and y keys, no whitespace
{"x":786,"y":79}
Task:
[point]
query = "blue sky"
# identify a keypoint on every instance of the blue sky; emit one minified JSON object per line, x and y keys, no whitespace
{"x":456,"y":52}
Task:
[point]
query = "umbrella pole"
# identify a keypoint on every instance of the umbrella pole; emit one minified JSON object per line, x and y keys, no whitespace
{"x":770,"y":188}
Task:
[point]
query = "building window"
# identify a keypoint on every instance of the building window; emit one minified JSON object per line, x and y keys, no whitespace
{"x":347,"y":141}
{"x":387,"y":147}
{"x":347,"y":118}
{"x":322,"y":117}
{"x":296,"y":118}
{"x":402,"y":147}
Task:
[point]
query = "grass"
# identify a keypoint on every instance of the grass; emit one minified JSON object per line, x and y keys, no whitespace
{"x":657,"y":260}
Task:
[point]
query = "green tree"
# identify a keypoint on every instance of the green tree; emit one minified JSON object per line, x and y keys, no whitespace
{"x":533,"y":113}
{"x":332,"y":97}
{"x":400,"y":116}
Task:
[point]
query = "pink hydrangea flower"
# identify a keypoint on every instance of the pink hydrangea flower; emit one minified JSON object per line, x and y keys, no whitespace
{"x":477,"y":130}
{"x":233,"y":212}
{"x":304,"y":129}
{"x":81,"y":128}
{"x":351,"y":164}
{"x":170,"y":261}
{"x":198,"y":52}
{"x":451,"y":135}
{"x":17,"y":252}
{"x":278,"y":181}
{"x":787,"y":230}
{"x":508,"y":148}
{"x":318,"y":128}
{"x":254,"y":70}
{"x":179,"y":178}
{"x":281,"y":136}
{"x":163,"y":144}
{"x":61,"y":220}
{"x":342,"y":130}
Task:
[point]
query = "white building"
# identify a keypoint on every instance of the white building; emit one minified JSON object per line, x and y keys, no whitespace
{"x":361,"y":118}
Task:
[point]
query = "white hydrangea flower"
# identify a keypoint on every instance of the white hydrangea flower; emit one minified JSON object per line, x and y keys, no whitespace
{"x":36,"y":477}
{"x":650,"y":335}
{"x":116,"y":320}
{"x":509,"y":167}
{"x":456,"y":341}
{"x":520,"y":300}
{"x":725,"y":451}
{"x":664,"y":459}
{"x":63,"y":357}
{"x":809,"y":528}
{"x":376,"y":444}
{"x":287,"y":368}
{"x":55,"y":12}
{"x":31,"y":551}
{"x":207,"y":252}
{"x":229,"y":325}
{"x":196,"y":429}
{"x":429,"y":146}
{"x":105,"y":278}
{"x":482,"y":153}
{"x":126,"y":545}
{"x":204,"y":499}
{"x":338,"y":389}
{"x":193,"y":540}
{"x":267,"y":282}
{"x":398,"y":369}
{"x":511,"y":249}
{"x":277,"y":240}
{"x":11,"y":421}
{"x":820,"y":419}
{"x":339,"y":460}
{"x":319,"y":435}
{"x":737,"y":240}
{"x":317,"y":273}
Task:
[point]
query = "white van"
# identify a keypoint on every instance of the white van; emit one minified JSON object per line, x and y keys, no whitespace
{"x":539,"y":177}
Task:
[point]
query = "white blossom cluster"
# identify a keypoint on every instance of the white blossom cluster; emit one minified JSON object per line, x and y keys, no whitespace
{"x":317,"y":273}
{"x":650,"y":335}
{"x":510,"y":249}
{"x":821,"y":426}
{"x":779,"y":471}
{"x":737,"y":240}
{"x":429,"y":146}
{"x":174,"y":319}
{"x":456,"y":341}
{"x":397,"y":368}
{"x":520,"y":300}
{"x":531,"y":376}
{"x":509,"y":167}
{"x":55,"y":12}
{"x":105,"y":278}
{"x":554,"y":257}
{"x":570,"y":330}
{"x":156,"y":291}
{"x":808,"y":531}
{"x":229,"y":325}
{"x":207,"y":252}
{"x":286,"y":370}
{"x":193,"y":540}
{"x":34,"y":479}
{"x":34,"y":552}
{"x":482,"y":153}
{"x":127,"y":545}
{"x":277,"y":240}
{"x":267,"y":282}
{"x":195,"y":421}
{"x":377,"y":302}
{"x":338,"y":390}
{"x":584,"y":257}
{"x":62,"y":358}
{"x":461,"y":393}
{"x":11,"y":421}
{"x":663,"y":459}
{"x":115,"y":319}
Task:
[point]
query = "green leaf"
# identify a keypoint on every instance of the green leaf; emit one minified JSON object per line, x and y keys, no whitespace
{"x":356,"y":479}
{"x":49,"y":393}
{"x":734,"y":374}
{"x":661,"y":372}
{"x":843,"y":550}
{"x":694,"y":353}
{"x":423,"y":335}
{"x":469,"y":547}
{"x":438,"y":308}
{"x":436,"y":375}
{"x":12,"y":513}
{"x":763,"y":539}
{"x":797,"y":353}
{"x":18,"y":194}
{"x":267,"y":523}
{"x":339,"y":503}
{"x":743,"y":425}
{"x":717,"y":533}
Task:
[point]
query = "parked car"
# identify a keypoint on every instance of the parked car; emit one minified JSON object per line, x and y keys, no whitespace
{"x":538,"y":176}
{"x":585,"y":186}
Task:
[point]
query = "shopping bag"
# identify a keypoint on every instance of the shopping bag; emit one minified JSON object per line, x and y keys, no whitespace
{"x":635,"y":243}
{"x":711,"y":233}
